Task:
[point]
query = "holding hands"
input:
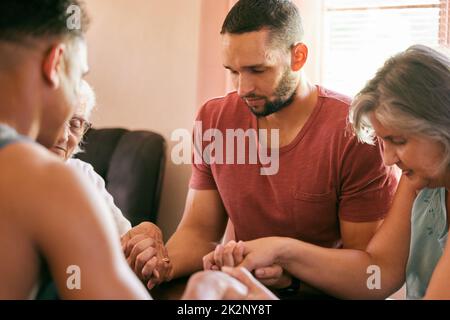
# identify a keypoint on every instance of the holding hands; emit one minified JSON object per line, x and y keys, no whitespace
{"x":258,"y":256}
{"x":146,"y":254}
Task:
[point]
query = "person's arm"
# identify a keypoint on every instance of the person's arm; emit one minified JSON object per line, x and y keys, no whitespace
{"x":357,"y":235}
{"x":69,"y":223}
{"x":229,"y":233}
{"x":146,"y":253}
{"x":86,"y":169}
{"x":439,"y":286}
{"x":354,"y":236}
{"x":345,"y":273}
{"x":200,"y":229}
{"x":365,"y":193}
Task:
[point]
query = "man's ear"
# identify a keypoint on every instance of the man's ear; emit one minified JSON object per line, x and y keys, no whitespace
{"x":52,"y":64}
{"x":299,"y":56}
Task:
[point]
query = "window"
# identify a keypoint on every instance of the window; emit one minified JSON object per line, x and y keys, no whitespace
{"x":359,"y":35}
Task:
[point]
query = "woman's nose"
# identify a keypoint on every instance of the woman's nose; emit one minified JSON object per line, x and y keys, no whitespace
{"x":390,"y":156}
{"x":64,"y":135}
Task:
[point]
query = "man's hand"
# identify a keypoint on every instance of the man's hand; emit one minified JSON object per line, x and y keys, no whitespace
{"x":273,"y":276}
{"x":232,"y":254}
{"x":229,"y":255}
{"x":261,"y":253}
{"x":146,"y":254}
{"x":232,"y":284}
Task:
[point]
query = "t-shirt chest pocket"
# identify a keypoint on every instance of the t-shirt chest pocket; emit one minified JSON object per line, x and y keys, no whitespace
{"x":304,"y":202}
{"x":312,"y":197}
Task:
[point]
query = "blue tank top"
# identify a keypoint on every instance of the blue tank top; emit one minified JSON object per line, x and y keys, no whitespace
{"x":429,"y":232}
{"x":8,"y":135}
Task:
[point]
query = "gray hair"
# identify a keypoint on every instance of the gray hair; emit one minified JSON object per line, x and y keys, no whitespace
{"x":86,"y":97}
{"x":411,"y":93}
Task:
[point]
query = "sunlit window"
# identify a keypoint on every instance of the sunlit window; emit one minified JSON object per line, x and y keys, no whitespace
{"x":359,"y":35}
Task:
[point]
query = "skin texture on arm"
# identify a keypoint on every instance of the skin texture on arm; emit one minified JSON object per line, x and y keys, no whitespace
{"x":354,"y":236}
{"x":439,"y":286}
{"x":344,"y":272}
{"x":65,"y":220}
{"x":357,"y":235}
{"x":200,"y":229}
{"x":229,"y":234}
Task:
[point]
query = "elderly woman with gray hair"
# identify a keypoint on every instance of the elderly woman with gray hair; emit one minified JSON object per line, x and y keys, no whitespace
{"x":146,"y":234}
{"x":234,"y":284}
{"x":68,"y":144}
{"x":407,"y":107}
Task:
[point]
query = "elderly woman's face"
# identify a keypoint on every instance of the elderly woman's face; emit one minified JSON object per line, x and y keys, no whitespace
{"x":419,"y":158}
{"x":71,"y":134}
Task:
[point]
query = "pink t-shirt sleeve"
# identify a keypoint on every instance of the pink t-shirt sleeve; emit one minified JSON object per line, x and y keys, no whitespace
{"x":367,"y":186}
{"x":201,"y":176}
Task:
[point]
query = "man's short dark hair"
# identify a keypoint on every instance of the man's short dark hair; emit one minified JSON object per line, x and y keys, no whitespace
{"x":281,"y":17}
{"x":21,"y":19}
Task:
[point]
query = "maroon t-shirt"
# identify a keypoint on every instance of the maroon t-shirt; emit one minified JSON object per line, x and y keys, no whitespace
{"x":324,"y":175}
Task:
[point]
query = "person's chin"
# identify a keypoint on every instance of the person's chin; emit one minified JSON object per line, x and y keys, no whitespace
{"x":420,"y":183}
{"x":433,"y":184}
{"x":60,"y":153}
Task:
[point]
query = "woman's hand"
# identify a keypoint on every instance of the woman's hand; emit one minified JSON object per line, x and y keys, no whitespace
{"x":232,"y":255}
{"x":146,"y":254}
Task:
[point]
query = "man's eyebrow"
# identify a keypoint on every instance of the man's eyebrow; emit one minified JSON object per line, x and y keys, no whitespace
{"x":253,"y":66}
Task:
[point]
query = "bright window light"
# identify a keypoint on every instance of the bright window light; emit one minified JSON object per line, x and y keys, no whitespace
{"x":359,"y":35}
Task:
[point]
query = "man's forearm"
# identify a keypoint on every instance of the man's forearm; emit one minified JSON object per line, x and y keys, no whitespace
{"x":186,"y":249}
{"x":343,"y":273}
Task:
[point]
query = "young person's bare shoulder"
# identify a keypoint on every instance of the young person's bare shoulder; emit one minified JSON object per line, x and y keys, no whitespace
{"x":31,"y":175}
{"x":25,"y":157}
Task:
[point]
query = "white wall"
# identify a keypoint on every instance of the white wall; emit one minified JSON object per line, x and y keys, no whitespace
{"x":154,"y":62}
{"x":311,"y":11}
{"x":144,"y":57}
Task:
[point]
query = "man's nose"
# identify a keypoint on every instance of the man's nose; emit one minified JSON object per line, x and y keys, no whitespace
{"x":245,"y":86}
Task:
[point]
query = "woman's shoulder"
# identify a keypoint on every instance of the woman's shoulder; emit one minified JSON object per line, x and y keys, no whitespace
{"x":87,"y":169}
{"x":429,"y":204}
{"x":427,"y":195}
{"x":80,"y":165}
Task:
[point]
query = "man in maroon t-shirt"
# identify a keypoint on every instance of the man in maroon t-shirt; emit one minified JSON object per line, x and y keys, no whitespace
{"x":321,"y":185}
{"x":328,"y":189}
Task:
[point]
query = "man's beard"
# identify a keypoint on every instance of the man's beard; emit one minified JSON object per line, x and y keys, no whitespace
{"x":284,"y":93}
